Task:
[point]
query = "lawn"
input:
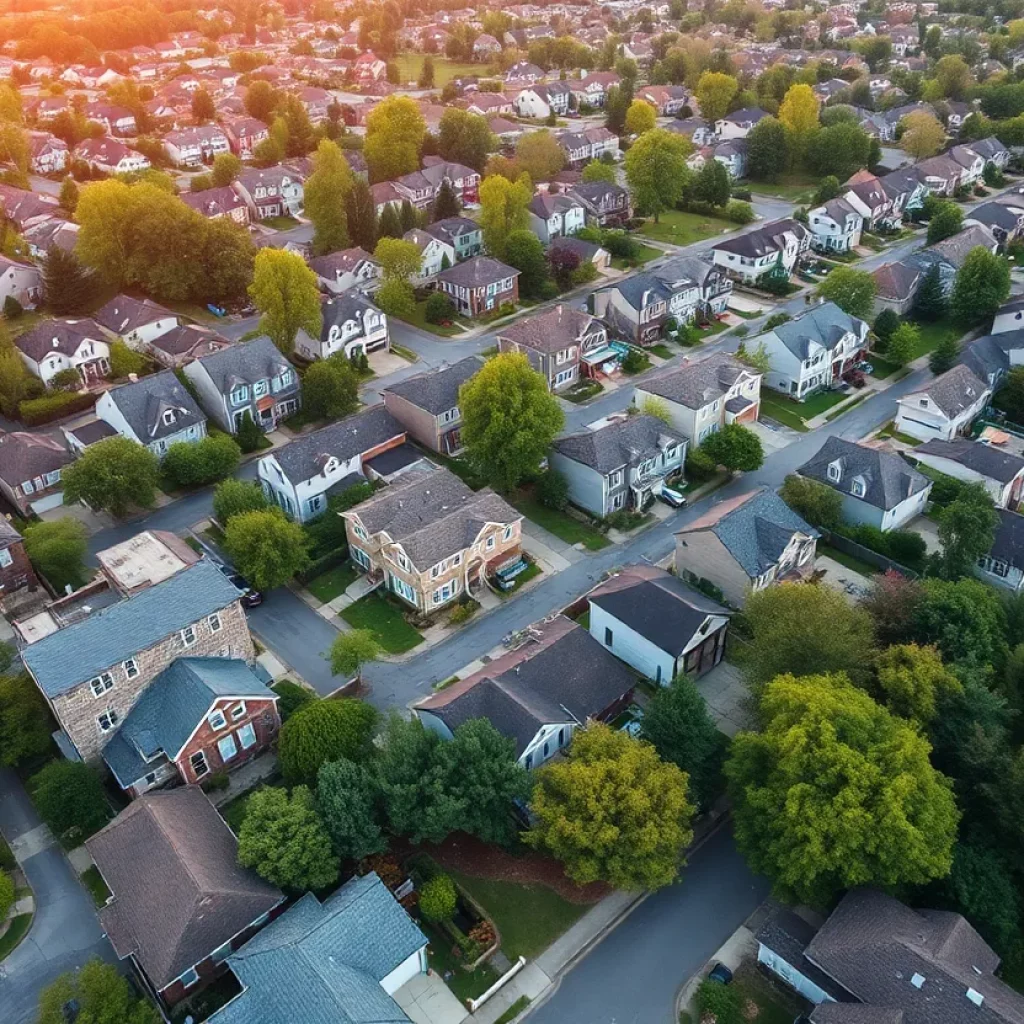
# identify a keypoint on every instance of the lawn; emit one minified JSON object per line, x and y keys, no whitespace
{"x":464,"y":984}
{"x":776,"y":1005}
{"x":790,"y":186}
{"x":93,"y":881}
{"x":783,"y":410}
{"x":645,"y":253}
{"x":889,"y":430}
{"x":583,"y":391}
{"x":18,"y":929}
{"x":410,"y":65}
{"x":525,"y":576}
{"x":528,"y":917}
{"x":280,"y":223}
{"x":332,"y":583}
{"x":931,"y":335}
{"x":419,"y":319}
{"x":881,"y":368}
{"x":661,"y":350}
{"x":850,"y":561}
{"x":681,"y":228}
{"x":385,"y":621}
{"x":563,"y":526}
{"x":836,"y":413}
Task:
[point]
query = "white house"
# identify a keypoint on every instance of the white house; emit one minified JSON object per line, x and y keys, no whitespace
{"x":436,"y":253}
{"x":20,"y":281}
{"x":190,"y":147}
{"x":56,"y":345}
{"x":557,"y":216}
{"x":836,"y":226}
{"x":111,"y":156}
{"x":543,"y":100}
{"x":945,"y":408}
{"x":1003,"y":565}
{"x":776,"y":247}
{"x":338,"y":272}
{"x":351,"y":323}
{"x":136,"y":322}
{"x":739,"y":123}
{"x":1000,"y":472}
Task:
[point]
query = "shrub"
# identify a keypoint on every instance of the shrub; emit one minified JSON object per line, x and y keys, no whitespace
{"x":907,"y":547}
{"x":322,"y":731}
{"x":6,"y":894}
{"x":946,"y":489}
{"x":620,"y":245}
{"x":124,"y":360}
{"x":552,"y":489}
{"x":215,"y":782}
{"x":739,"y":212}
{"x":462,"y":613}
{"x":249,"y":436}
{"x":12,"y":308}
{"x":774,"y":285}
{"x":438,"y":307}
{"x":438,"y":899}
{"x":291,"y":697}
{"x":52,"y":406}
{"x":699,"y":465}
{"x":193,"y":464}
{"x":70,"y":799}
{"x":776,"y":320}
{"x":506,"y":309}
{"x":235,"y":496}
{"x":634,"y":361}
{"x":66,"y":380}
{"x":719,"y":1002}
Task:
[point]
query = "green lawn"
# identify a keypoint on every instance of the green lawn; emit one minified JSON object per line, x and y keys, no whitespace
{"x":783,"y":410}
{"x":889,"y":430}
{"x":514,"y":1010}
{"x":93,"y":881}
{"x":280,"y":223}
{"x":681,"y":228}
{"x":583,"y":391}
{"x":645,"y":254}
{"x":931,"y":335}
{"x":332,"y":583}
{"x":464,"y":984}
{"x":661,"y":350}
{"x":410,"y":65}
{"x":525,"y":576}
{"x":563,"y":526}
{"x":15,"y":933}
{"x":881,"y":368}
{"x":418,"y":319}
{"x":793,"y":187}
{"x":385,"y":621}
{"x":529,"y":917}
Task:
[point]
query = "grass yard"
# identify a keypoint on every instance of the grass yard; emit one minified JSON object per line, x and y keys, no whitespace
{"x":419,"y":319}
{"x":836,"y":413}
{"x":464,"y":984}
{"x":881,"y":368}
{"x":529,"y":917}
{"x":793,"y":187}
{"x":411,"y":64}
{"x":645,"y":254}
{"x":17,"y":930}
{"x":783,"y":410}
{"x":583,"y":391}
{"x":332,"y":583}
{"x":850,"y":561}
{"x":524,"y":577}
{"x":563,"y":526}
{"x":931,"y":335}
{"x":385,"y":621}
{"x":661,"y":350}
{"x":93,"y":881}
{"x":889,"y":430}
{"x":280,"y":223}
{"x":680,"y":228}
{"x":233,"y":812}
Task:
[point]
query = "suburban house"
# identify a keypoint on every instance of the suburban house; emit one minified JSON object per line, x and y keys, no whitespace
{"x":480,"y":285}
{"x":538,"y":694}
{"x":301,"y":476}
{"x":22,"y":282}
{"x":813,"y":350}
{"x":896,"y":286}
{"x":245,"y":134}
{"x":350,"y":324}
{"x":179,"y":901}
{"x":560,"y":343}
{"x":636,"y":307}
{"x":357,"y":956}
{"x":270,"y":192}
{"x":705,"y":396}
{"x":621,"y":465}
{"x":1010,"y":317}
{"x":427,"y":405}
{"x":430,"y":539}
{"x":698,"y":289}
{"x":95,"y":652}
{"x":195,"y":146}
{"x":657,"y":624}
{"x":945,"y":407}
{"x":341,"y":271}
{"x":586,"y":252}
{"x":1001,"y":473}
{"x":252,"y":379}
{"x":607,"y":205}
{"x":180,"y":345}
{"x":30,"y":469}
{"x":745,"y":544}
{"x":592,"y":89}
{"x":868,"y":196}
{"x":772,"y":249}
{"x":435,"y":255}
{"x":555,"y":216}
{"x":543,"y":100}
{"x":878,"y":486}
{"x":47,"y":153}
{"x":56,"y":345}
{"x":667,"y":100}
{"x":1003,"y":565}
{"x":136,"y":322}
{"x":215,"y":203}
{"x":877,"y":960}
{"x":739,"y":123}
{"x":15,"y":569}
{"x":462,"y":234}
{"x":835,"y":226}
{"x":110,"y":156}
{"x":198,"y":717}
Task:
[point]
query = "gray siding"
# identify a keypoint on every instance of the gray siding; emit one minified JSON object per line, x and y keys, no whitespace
{"x":586,"y":486}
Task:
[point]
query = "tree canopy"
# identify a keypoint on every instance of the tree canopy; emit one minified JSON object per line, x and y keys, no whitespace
{"x":347,"y":797}
{"x":286,"y":293}
{"x":656,"y":170}
{"x":113,"y":475}
{"x":267,"y":548}
{"x":503,"y":209}
{"x":981,"y":286}
{"x":395,"y":130}
{"x":852,"y":290}
{"x":322,"y":731}
{"x":324,"y":196}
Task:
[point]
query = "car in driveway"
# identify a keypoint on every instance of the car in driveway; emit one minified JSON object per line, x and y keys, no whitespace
{"x":721,"y":974}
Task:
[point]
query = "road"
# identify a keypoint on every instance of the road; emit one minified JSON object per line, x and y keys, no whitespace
{"x":633,"y":976}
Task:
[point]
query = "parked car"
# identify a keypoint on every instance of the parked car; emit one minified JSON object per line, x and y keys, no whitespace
{"x":251,"y":597}
{"x":671,"y":497}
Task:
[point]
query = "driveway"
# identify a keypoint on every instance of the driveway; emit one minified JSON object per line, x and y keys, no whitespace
{"x":65,"y":932}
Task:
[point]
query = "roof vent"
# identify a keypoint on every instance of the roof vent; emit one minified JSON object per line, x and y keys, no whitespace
{"x":975,"y":997}
{"x":917,"y":980}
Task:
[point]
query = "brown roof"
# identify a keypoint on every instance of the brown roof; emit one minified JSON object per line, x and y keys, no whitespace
{"x":170,"y":861}
{"x":551,"y":331}
{"x":24,"y":456}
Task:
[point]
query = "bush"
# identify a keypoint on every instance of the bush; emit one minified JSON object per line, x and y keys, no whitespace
{"x":620,"y":245}
{"x":945,"y":490}
{"x":699,"y":465}
{"x":634,"y":361}
{"x":775,"y":285}
{"x":12,"y":308}
{"x":776,"y":320}
{"x":907,"y":547}
{"x":124,"y":360}
{"x":249,"y":436}
{"x":66,"y":380}
{"x":739,"y":212}
{"x":506,"y":309}
{"x":743,"y":193}
{"x":462,"y":613}
{"x":70,"y":799}
{"x":6,"y":894}
{"x":718,"y":1001}
{"x":438,"y":308}
{"x":232,"y":497}
{"x":322,"y":731}
{"x":194,"y":464}
{"x":552,"y":490}
{"x":52,"y":406}
{"x":291,"y":697}
{"x":438,"y":899}
{"x":215,"y":782}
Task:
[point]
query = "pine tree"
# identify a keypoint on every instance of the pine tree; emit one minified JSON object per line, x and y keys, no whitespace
{"x":361,"y":215}
{"x":446,"y":204}
{"x":389,"y":225}
{"x":68,"y":194}
{"x":68,"y":287}
{"x":945,"y":354}
{"x":408,"y":217}
{"x":930,"y":303}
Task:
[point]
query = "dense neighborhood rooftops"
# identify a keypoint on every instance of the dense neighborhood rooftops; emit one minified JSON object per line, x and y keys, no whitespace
{"x":244,"y":363}
{"x":626,"y":442}
{"x":825,"y":325}
{"x":25,"y":456}
{"x":63,"y":336}
{"x":436,"y":391}
{"x":696,"y":384}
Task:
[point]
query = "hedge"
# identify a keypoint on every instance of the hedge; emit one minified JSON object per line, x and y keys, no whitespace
{"x":53,"y":406}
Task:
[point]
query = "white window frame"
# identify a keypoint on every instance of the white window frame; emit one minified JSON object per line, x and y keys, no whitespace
{"x":188,"y":636}
{"x":489,"y":545}
{"x":111,"y":717}
{"x":131,"y":668}
{"x":238,"y":711}
{"x":168,"y":417}
{"x":244,"y":734}
{"x":105,"y":681}
{"x":197,"y":760}
{"x":213,"y":621}
{"x":225,"y":743}
{"x":217,"y":719}
{"x":260,"y":389}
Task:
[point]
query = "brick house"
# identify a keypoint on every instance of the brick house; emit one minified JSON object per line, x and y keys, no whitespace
{"x":480,"y":285}
{"x":15,"y":569}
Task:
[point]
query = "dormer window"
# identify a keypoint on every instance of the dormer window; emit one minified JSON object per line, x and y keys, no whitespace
{"x":834,"y":472}
{"x":859,"y":488}
{"x":168,"y":417}
{"x":260,"y":388}
{"x":330,"y":465}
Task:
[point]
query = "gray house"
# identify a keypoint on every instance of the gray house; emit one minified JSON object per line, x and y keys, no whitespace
{"x":250,"y":378}
{"x":620,"y":465}
{"x":462,"y":234}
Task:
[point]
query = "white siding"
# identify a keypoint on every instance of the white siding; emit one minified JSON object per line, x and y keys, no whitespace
{"x":635,"y":650}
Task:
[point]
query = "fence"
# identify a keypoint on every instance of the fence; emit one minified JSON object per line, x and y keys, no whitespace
{"x":865,"y":554}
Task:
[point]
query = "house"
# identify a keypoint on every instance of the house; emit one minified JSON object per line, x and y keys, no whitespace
{"x":464,"y":235}
{"x":698,"y":131}
{"x":23,"y":208}
{"x":992,"y":357}
{"x":555,"y":216}
{"x":30,"y":470}
{"x":197,"y":145}
{"x":22,"y":282}
{"x":836,"y":226}
{"x":585,"y":144}
{"x":350,"y":323}
{"x":992,"y":151}
{"x":355,"y":957}
{"x":592,"y":89}
{"x":198,"y":717}
{"x":179,"y":901}
{"x":867,"y":196}
{"x":772,"y":249}
{"x":637,"y":307}
{"x":155,"y":412}
{"x":346,"y":269}
{"x":539,"y":694}
{"x":430,"y":539}
{"x":480,"y":285}
{"x":896,"y":286}
{"x":522,"y":70}
{"x":732,"y":155}
{"x":1001,"y":473}
{"x":42,"y":236}
{"x":94,"y":653}
{"x":739,"y":123}
{"x":180,"y":345}
{"x":813,"y":350}
{"x":427,"y":405}
{"x":621,"y":465}
{"x":301,"y":476}
{"x":489,"y":104}
{"x":878,"y":486}
{"x":245,"y":134}
{"x":214,"y":203}
{"x":485,"y":47}
{"x":705,"y":396}
{"x":1010,"y":317}
{"x":585,"y":252}
{"x":946,"y":407}
{"x":15,"y":569}
{"x":47,"y":153}
{"x":667,"y":100}
{"x":435,"y":255}
{"x":877,"y":960}
{"x":136,"y":322}
{"x":110,"y":156}
{"x":745,"y":544}
{"x":1003,"y":565}
{"x":250,"y":378}
{"x":542,"y":101}
{"x":270,"y":192}
{"x":559,"y":343}
{"x":56,"y":345}
{"x":1005,"y":220}
{"x":114,"y":119}
{"x":607,"y":205}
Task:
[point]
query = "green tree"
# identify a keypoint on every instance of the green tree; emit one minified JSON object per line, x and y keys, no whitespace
{"x":57,"y":550}
{"x":125,"y":360}
{"x":981,"y":286}
{"x":323,"y":731}
{"x":945,"y":221}
{"x":361,"y":215}
{"x":298,"y":128}
{"x":911,"y":681}
{"x":396,"y":298}
{"x":25,"y":722}
{"x":426,"y":79}
{"x":656,"y":170}
{"x":540,"y":155}
{"x":69,"y":797}
{"x":967,"y":528}
{"x":923,"y":135}
{"x":735,"y":447}
{"x":226,"y":168}
{"x":612,"y":811}
{"x":465,"y":138}
{"x":827,"y":745}
{"x":446,"y":203}
{"x":930,"y":302}
{"x":399,"y":260}
{"x":712,"y":184}
{"x":816,"y":502}
{"x":401,"y":769}
{"x":347,"y":798}
{"x":945,"y":354}
{"x":964,"y":618}
{"x":395,"y":130}
{"x":598,"y":171}
{"x":438,"y":898}
{"x":267,"y":548}
{"x":324,"y":194}
{"x":284,"y":841}
{"x":101,"y":994}
{"x":68,"y":198}
{"x":194,"y":464}
{"x":852,"y":290}
{"x":389,"y":225}
{"x":203,"y":109}
{"x":525,"y":252}
{"x":503,"y":209}
{"x":232,"y":497}
{"x":952,"y":76}
{"x":616,"y":104}
{"x":885,"y":326}
{"x":113,"y":475}
{"x":981,"y":887}
{"x":640,"y":117}
{"x":330,"y":389}
{"x":286,"y":293}
{"x":903,"y":344}
{"x":351,"y":650}
{"x":1009,"y":398}
{"x":840,"y":150}
{"x":15,"y":381}
{"x":714,"y":93}
{"x":68,"y":287}
{"x":767,"y":150}
{"x":509,"y":419}
{"x":248,"y":434}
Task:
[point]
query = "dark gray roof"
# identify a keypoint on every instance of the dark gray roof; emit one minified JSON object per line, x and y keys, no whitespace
{"x":787,"y":935}
{"x":394,"y":459}
{"x":436,"y":391}
{"x":642,"y":290}
{"x":62,"y":660}
{"x":887,"y":477}
{"x":351,"y":305}
{"x":995,"y":215}
{"x":1008,"y":543}
{"x":955,"y":390}
{"x":988,"y":357}
{"x":824,"y":324}
{"x":244,"y":363}
{"x":143,"y":403}
{"x":477,"y":272}
{"x":448,"y":229}
{"x":62,"y":336}
{"x":554,"y":330}
{"x":179,"y":341}
{"x":123,"y":314}
{"x":625,"y":443}
{"x":764,"y":240}
{"x":696,"y":384}
{"x":984,"y":459}
{"x":91,"y":432}
{"x":24,"y":456}
{"x":582,"y":248}
{"x":855,"y":1013}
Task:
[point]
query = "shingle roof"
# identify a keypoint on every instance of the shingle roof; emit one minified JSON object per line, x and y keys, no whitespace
{"x":62,"y":660}
{"x":24,"y":456}
{"x":983,"y":459}
{"x":62,"y":336}
{"x":764,"y":240}
{"x":123,"y":314}
{"x":551,"y":331}
{"x":436,"y":391}
{"x":245,"y":363}
{"x":144,"y":402}
{"x":477,"y":272}
{"x":955,"y":390}
{"x":625,"y":443}
{"x":696,"y":384}
{"x":825,"y":324}
{"x":1008,"y":543}
{"x":855,"y":1013}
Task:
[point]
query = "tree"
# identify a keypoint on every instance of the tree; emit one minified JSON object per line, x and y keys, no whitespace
{"x":964,"y":618}
{"x":68,"y":287}
{"x":395,"y":130}
{"x":840,"y":150}
{"x":465,"y":138}
{"x":297,"y":127}
{"x":616,"y":103}
{"x":981,"y":286}
{"x":945,"y":221}
{"x":226,"y":168}
{"x":399,"y":259}
{"x":640,"y":117}
{"x":923,"y":134}
{"x":767,"y":150}
{"x":347,"y":798}
{"x":25,"y":723}
{"x":401,"y":770}
{"x":322,"y":731}
{"x":525,"y":252}
{"x":891,"y":601}
{"x":967,"y":528}
{"x":446,"y":203}
{"x":816,"y":502}
{"x":735,"y":447}
{"x":827,"y":745}
{"x":714,"y":94}
{"x":678,"y":724}
{"x":981,"y":887}
{"x":612,"y":811}
{"x":124,"y":360}
{"x":438,"y":898}
{"x":930,"y":302}
{"x":396,"y":298}
{"x":113,"y":475}
{"x":267,"y":548}
{"x":426,"y":79}
{"x":598,"y":171}
{"x":389,"y":225}
{"x":438,"y":308}
{"x":248,"y":434}
{"x":195,"y":463}
{"x":852,"y":290}
{"x":540,"y":155}
{"x":324,"y":195}
{"x":656,"y":170}
{"x":285,"y":291}
{"x":70,"y":799}
{"x":952,"y":76}
{"x":885,"y":325}
{"x":330,"y":389}
{"x":945,"y":354}
{"x":284,"y":841}
{"x":802,"y":629}
{"x":57,"y":550}
{"x":509,"y":419}
{"x":203,"y":108}
{"x":712,"y":184}
{"x":798,"y":113}
{"x":233,"y":497}
{"x":504,"y":209}
{"x":407,"y":216}
{"x":351,"y":650}
{"x":903,"y":344}
{"x":911,"y":681}
{"x":361,"y":215}
{"x":100,"y":993}
{"x":68,"y":197}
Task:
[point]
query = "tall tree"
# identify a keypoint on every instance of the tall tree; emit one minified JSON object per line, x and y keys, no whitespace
{"x":965,"y":619}
{"x":525,"y":252}
{"x":395,"y":130}
{"x":299,"y":134}
{"x":286,"y":293}
{"x":712,"y":184}
{"x":113,"y":475}
{"x":401,"y":769}
{"x":981,"y":286}
{"x":767,"y":150}
{"x":361,"y":215}
{"x":25,"y":723}
{"x":330,"y":389}
{"x":923,"y":135}
{"x":852,"y":290}
{"x":640,"y":117}
{"x":323,"y":731}
{"x":656,"y":170}
{"x":226,"y":168}
{"x":616,"y":104}
{"x":57,"y":550}
{"x":100,"y":993}
{"x":903,"y":344}
{"x":465,"y":138}
{"x":945,"y":221}
{"x":446,"y":203}
{"x":798,"y":113}
{"x":389,"y":225}
{"x":353,"y":649}
{"x":714,"y":94}
{"x":540,"y":155}
{"x":912,"y":682}
{"x":735,"y":447}
{"x":68,"y":287}
{"x":347,"y":796}
{"x":503,"y":210}
{"x":267,"y":548}
{"x":967,"y":528}
{"x":325,"y":193}
{"x":930,"y":301}
{"x":203,"y":109}
{"x":841,"y":149}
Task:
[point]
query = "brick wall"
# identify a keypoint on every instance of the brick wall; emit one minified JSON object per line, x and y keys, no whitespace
{"x":19,"y":573}
{"x":261,"y":714}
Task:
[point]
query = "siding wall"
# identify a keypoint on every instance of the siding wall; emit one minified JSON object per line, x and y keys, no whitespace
{"x":635,"y":650}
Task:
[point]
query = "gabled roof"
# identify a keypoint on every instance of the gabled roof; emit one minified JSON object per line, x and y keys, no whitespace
{"x":24,"y":456}
{"x":1008,"y":542}
{"x":984,"y":459}
{"x":477,"y":272}
{"x":824,"y":325}
{"x":244,"y":363}
{"x":436,"y":391}
{"x":763,"y":241}
{"x":124,"y":314}
{"x":144,"y":402}
{"x":696,"y":384}
{"x":953,"y":391}
{"x":63,"y":336}
{"x":551,"y":331}
{"x":624,"y":443}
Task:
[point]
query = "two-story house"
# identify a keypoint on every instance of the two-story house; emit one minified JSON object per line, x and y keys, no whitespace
{"x":620,"y":465}
{"x":250,"y":378}
{"x":192,"y":147}
{"x":593,"y":88}
{"x":341,"y":271}
{"x":66,"y":344}
{"x":540,"y":101}
{"x":1000,"y":472}
{"x":556,"y":216}
{"x":16,"y":570}
{"x":739,"y":123}
{"x":270,"y":191}
{"x":350,"y":323}
{"x":607,"y":205}
{"x":462,"y":234}
{"x":47,"y":153}
{"x":869,"y":197}
{"x":561,"y":343}
{"x":110,"y":156}
{"x":20,"y":281}
{"x":945,"y":407}
{"x":585,"y":144}
{"x":245,"y":134}
{"x":30,"y":471}
{"x":836,"y":226}
{"x":216,"y":203}
{"x":480,"y":285}
{"x":136,"y":322}
{"x":180,"y":345}
{"x":774,"y":248}
{"x":435,"y":255}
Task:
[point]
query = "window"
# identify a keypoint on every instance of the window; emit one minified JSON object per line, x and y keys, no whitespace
{"x":247,"y":736}
{"x":615,"y":479}
{"x":507,"y":532}
{"x":188,"y":636}
{"x":214,"y":622}
{"x":131,"y":668}
{"x":190,"y":977}
{"x":360,"y":556}
{"x":27,"y":487}
{"x":490,"y":543}
{"x":447,"y":592}
{"x":168,"y":417}
{"x":834,"y":472}
{"x":5,"y":558}
{"x":359,"y":532}
{"x":227,"y":748}
{"x":238,"y":711}
{"x":239,"y":395}
{"x":102,"y":683}
{"x":198,"y":764}
{"x":217,"y":720}
{"x":315,"y":503}
{"x":609,"y":637}
{"x":221,"y":953}
{"x":260,"y":388}
{"x":107,"y":720}
{"x":52,"y":478}
{"x":858,"y":488}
